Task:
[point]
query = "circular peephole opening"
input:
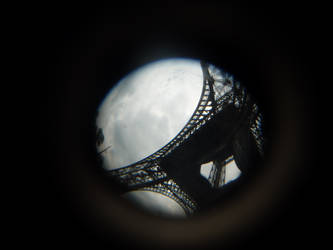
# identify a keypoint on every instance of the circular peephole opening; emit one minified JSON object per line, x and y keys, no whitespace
{"x":178,"y":134}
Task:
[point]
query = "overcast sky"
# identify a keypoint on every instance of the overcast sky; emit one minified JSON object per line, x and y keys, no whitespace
{"x":143,"y":112}
{"x":147,"y":109}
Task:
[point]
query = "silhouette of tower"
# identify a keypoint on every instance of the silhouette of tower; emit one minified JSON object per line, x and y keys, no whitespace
{"x":225,"y":126}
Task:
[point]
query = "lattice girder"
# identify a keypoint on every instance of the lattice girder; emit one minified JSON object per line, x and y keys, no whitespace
{"x":147,"y":174}
{"x":217,"y":174}
{"x":170,"y":189}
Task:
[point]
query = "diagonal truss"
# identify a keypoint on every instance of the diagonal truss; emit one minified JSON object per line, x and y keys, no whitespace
{"x":217,"y":174}
{"x":147,"y":174}
{"x":256,"y":124}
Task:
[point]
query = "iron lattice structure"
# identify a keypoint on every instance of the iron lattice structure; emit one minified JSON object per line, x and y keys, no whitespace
{"x":217,"y":173}
{"x":147,"y":174}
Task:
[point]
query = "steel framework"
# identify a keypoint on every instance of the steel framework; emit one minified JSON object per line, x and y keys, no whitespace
{"x":147,"y":174}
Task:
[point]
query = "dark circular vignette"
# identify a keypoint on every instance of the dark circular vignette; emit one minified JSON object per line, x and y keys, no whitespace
{"x":246,"y":42}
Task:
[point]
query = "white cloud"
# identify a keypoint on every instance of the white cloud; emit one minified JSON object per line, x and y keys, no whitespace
{"x":232,"y":172}
{"x":144,"y":112}
{"x":148,"y":108}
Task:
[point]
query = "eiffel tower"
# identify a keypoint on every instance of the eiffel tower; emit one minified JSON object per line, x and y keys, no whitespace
{"x":225,"y":126}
